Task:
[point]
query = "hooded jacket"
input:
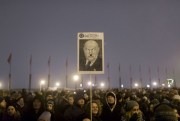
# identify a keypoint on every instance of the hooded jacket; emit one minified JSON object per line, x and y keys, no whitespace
{"x":111,"y":111}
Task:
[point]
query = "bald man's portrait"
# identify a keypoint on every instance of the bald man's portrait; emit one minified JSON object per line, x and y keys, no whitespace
{"x":90,"y":55}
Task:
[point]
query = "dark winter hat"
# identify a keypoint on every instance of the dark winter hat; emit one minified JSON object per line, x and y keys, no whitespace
{"x":119,"y":96}
{"x":79,"y":96}
{"x":50,"y":102}
{"x":38,"y":97}
{"x":164,"y":112}
{"x":130,"y":104}
{"x":18,"y":98}
{"x":155,"y":102}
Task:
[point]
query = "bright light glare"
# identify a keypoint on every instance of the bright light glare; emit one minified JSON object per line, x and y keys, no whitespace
{"x":57,"y":84}
{"x":76,"y":77}
{"x":102,"y":84}
{"x":42,"y":82}
{"x":80,"y":85}
{"x":163,"y":85}
{"x":122,"y":85}
{"x":155,"y":83}
{"x":136,"y":85}
{"x":148,"y":86}
{"x":89,"y":83}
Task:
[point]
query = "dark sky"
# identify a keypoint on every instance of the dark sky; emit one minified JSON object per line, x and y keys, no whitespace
{"x":135,"y":32}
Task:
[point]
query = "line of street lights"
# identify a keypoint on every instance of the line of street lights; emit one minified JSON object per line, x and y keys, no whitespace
{"x":76,"y":78}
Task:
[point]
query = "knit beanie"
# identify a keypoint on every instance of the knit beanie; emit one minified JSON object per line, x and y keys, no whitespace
{"x":50,"y":102}
{"x":79,"y":96}
{"x":130,"y":104}
{"x":164,"y":112}
{"x":45,"y":116}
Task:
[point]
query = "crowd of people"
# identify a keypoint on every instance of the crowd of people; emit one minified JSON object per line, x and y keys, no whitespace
{"x":103,"y":105}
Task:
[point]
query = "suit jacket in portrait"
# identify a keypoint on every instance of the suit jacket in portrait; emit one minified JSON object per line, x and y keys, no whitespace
{"x":97,"y":65}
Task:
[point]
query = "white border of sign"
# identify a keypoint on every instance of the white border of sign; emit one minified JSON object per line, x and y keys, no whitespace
{"x":82,"y":37}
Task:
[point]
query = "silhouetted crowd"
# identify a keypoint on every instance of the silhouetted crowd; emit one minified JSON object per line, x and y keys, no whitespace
{"x":106,"y":105}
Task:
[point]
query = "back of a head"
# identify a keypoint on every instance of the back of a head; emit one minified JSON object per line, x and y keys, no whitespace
{"x":164,"y":112}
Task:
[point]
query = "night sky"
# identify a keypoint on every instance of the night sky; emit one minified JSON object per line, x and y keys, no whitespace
{"x":145,"y":33}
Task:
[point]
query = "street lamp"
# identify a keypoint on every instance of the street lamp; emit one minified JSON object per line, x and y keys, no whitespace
{"x":89,"y":83}
{"x":57,"y":84}
{"x":102,"y":84}
{"x":148,"y":86}
{"x":163,"y":85}
{"x":76,"y":78}
{"x":155,"y":84}
{"x":42,"y":82}
{"x":136,"y":84}
{"x":122,"y":85}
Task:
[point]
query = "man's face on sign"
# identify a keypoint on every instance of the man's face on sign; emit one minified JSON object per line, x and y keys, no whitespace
{"x":91,"y":50}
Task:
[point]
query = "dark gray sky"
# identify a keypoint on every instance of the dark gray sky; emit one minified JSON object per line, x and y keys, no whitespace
{"x":135,"y":32}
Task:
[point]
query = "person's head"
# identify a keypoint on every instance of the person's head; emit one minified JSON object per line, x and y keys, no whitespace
{"x":50,"y":105}
{"x":165,"y":112}
{"x":96,"y":108}
{"x":71,"y":99}
{"x":2,"y":103}
{"x":111,"y":98}
{"x":153,"y":104}
{"x":91,"y":50}
{"x":132,"y":107}
{"x":49,"y":96}
{"x":79,"y":100}
{"x":37,"y":102}
{"x":20,"y":101}
{"x":11,"y":110}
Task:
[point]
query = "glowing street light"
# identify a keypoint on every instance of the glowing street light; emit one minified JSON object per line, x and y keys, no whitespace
{"x":89,"y":83}
{"x":148,"y":86}
{"x":57,"y":84}
{"x":122,"y":85}
{"x":136,"y":84}
{"x":42,"y":82}
{"x":154,"y":83}
{"x":102,"y":84}
{"x":76,"y":78}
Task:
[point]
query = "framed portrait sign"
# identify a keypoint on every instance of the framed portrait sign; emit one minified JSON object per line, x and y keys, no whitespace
{"x":90,"y":52}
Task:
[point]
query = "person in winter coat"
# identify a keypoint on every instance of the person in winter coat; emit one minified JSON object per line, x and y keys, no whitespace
{"x":76,"y":111}
{"x":95,"y":109}
{"x":35,"y":110}
{"x":133,"y":113}
{"x":11,"y":114}
{"x":111,"y":109}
